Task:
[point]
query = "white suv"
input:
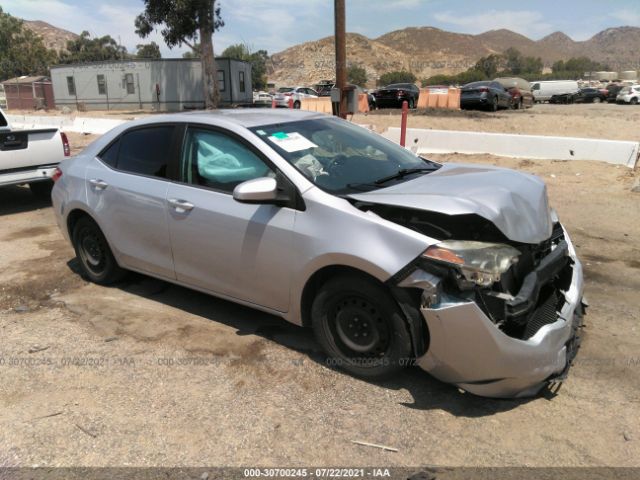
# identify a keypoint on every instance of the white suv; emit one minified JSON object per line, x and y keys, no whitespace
{"x":629,"y":95}
{"x":285,"y":94}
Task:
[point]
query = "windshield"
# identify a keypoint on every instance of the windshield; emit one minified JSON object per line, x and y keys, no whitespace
{"x":285,"y":89}
{"x":340,"y":157}
{"x":626,"y":90}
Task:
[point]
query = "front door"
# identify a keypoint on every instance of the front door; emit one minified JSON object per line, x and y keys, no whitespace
{"x":220,"y":245}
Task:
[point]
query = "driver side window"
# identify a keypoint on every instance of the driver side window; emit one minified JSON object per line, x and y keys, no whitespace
{"x":216,"y":160}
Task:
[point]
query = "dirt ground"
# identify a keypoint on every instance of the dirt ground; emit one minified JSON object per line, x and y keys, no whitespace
{"x":150,"y":374}
{"x":608,"y":121}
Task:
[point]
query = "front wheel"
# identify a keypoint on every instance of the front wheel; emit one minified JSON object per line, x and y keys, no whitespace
{"x":96,"y":259}
{"x":634,"y":101}
{"x":494,"y":105}
{"x":360,"y":327}
{"x":296,"y":104}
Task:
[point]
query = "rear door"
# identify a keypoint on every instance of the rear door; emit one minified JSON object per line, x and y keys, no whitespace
{"x":127,"y":189}
{"x":220,"y":245}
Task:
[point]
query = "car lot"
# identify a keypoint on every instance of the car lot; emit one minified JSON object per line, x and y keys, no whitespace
{"x":147,"y":373}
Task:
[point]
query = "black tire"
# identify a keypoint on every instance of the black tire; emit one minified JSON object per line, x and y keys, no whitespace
{"x":296,"y":104}
{"x":634,"y":101}
{"x":412,"y":104}
{"x":597,"y":100}
{"x":94,"y":254}
{"x":360,"y":327}
{"x":41,"y":190}
{"x":494,"y":104}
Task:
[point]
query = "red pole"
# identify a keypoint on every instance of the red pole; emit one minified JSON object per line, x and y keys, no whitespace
{"x":291,"y":102}
{"x":403,"y":123}
{"x":273,"y":103}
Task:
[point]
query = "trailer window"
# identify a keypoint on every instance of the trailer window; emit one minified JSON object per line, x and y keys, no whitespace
{"x":71,"y":85}
{"x":128,"y":78}
{"x":102,"y":85}
{"x":221,"y":80}
{"x":242,"y":82}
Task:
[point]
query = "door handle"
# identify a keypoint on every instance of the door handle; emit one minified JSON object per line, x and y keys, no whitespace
{"x":98,"y":184}
{"x":180,"y":206}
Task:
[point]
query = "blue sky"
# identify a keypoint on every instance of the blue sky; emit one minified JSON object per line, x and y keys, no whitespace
{"x":277,"y":24}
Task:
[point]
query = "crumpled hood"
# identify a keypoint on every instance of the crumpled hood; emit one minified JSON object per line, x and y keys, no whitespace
{"x":516,"y":203}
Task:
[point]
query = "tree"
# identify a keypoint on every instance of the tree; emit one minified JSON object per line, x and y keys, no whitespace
{"x":489,"y":66}
{"x":86,"y":49}
{"x":258,"y":61}
{"x":396,"y":77}
{"x":148,"y":50}
{"x":186,"y":22}
{"x":357,"y":75}
{"x":194,"y":52}
{"x":22,"y":52}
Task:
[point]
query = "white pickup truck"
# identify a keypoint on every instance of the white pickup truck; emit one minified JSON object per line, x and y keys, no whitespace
{"x":30,"y":156}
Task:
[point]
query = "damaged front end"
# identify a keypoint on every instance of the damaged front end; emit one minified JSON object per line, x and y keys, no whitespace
{"x":502,"y":316}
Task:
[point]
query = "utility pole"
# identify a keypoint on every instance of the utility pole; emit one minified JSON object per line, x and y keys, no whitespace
{"x":341,"y":54}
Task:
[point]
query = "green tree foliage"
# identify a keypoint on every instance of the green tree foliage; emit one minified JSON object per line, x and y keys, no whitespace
{"x":396,"y":77}
{"x":186,"y":22}
{"x":194,"y":52}
{"x":22,"y":52}
{"x":575,"y":68}
{"x":87,"y":49}
{"x":510,"y":63}
{"x":357,"y":75}
{"x":258,"y":61}
{"x":148,"y":50}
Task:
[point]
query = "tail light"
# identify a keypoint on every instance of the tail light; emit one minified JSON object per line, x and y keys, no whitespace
{"x":57,"y":173}
{"x":65,"y":144}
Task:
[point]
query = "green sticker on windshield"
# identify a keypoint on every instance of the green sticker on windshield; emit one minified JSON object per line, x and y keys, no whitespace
{"x":280,"y":135}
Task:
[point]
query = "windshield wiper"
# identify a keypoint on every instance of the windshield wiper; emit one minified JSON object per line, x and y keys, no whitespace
{"x":403,"y":173}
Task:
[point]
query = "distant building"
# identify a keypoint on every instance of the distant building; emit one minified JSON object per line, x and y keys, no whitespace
{"x":160,"y":85}
{"x":28,"y":93}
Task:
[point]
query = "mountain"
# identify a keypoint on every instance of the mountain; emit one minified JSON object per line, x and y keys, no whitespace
{"x":53,"y":37}
{"x":427,"y":51}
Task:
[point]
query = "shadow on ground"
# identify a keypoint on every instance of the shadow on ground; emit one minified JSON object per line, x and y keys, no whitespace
{"x":427,"y":392}
{"x":15,"y":199}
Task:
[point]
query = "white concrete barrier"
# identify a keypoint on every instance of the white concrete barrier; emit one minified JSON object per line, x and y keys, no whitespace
{"x":518,"y":146}
{"x":92,"y":125}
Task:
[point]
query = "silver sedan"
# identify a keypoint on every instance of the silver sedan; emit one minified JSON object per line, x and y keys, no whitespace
{"x":392,"y":259}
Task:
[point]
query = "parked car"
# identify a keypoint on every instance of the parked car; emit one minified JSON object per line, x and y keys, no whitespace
{"x":285,"y":94}
{"x":630,"y":95}
{"x":590,"y":95}
{"x":30,"y":156}
{"x":392,"y":96}
{"x":485,"y":94}
{"x":392,"y":259}
{"x":612,"y":92}
{"x":520,"y":91}
{"x":563,"y":98}
{"x":544,"y":90}
{"x":324,"y":88}
{"x":262,"y":97}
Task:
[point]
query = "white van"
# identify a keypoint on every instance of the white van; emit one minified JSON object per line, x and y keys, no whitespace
{"x":543,"y":91}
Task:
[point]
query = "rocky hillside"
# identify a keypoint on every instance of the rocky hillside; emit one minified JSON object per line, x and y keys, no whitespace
{"x":53,"y":37}
{"x":428,"y":51}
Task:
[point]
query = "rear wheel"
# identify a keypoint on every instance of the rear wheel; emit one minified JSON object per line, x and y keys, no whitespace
{"x":494,"y":104}
{"x":41,"y":190}
{"x":96,"y":259}
{"x":412,"y":104}
{"x":360,"y":327}
{"x":634,"y":101}
{"x":296,"y":104}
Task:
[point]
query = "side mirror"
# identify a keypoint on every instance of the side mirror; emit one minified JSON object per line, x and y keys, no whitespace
{"x":258,"y":190}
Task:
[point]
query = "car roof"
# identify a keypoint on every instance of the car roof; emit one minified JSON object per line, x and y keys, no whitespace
{"x":245,"y":117}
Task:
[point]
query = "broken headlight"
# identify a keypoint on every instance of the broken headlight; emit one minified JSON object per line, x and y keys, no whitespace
{"x":479,"y":262}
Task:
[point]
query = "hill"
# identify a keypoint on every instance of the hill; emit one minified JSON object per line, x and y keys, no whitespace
{"x":54,"y":38}
{"x":428,"y":51}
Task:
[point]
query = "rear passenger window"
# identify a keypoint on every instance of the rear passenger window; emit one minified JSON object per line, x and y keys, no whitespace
{"x":110,"y":155}
{"x":146,"y":151}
